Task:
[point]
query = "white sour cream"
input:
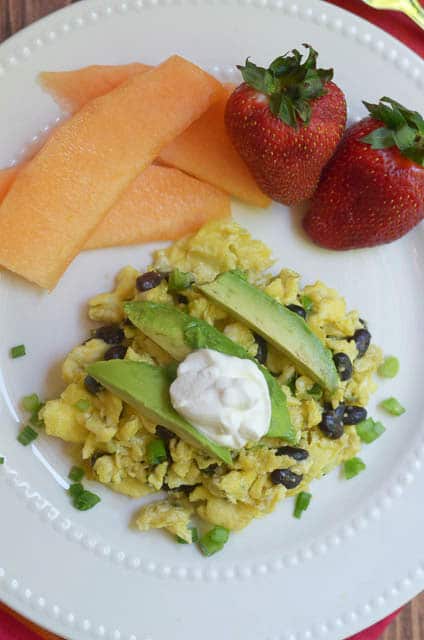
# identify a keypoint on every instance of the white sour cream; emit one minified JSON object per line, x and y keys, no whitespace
{"x":224,"y":397}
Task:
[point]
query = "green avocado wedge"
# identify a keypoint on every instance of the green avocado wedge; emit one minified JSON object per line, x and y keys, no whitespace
{"x":179,"y":333}
{"x":145,"y":387}
{"x":285,"y":330}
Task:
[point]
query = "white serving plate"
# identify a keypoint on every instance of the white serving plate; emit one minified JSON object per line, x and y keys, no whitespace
{"x":357,"y":554}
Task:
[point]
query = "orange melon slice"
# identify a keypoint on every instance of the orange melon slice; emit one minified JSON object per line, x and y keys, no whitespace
{"x":161,"y":204}
{"x":7,"y":177}
{"x":204,"y":150}
{"x":73,"y":89}
{"x":63,"y":193}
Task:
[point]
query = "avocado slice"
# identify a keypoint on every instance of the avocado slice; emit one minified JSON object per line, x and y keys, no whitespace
{"x":285,"y":330}
{"x":145,"y":387}
{"x":179,"y":333}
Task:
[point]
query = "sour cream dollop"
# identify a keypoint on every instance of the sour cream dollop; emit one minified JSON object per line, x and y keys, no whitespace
{"x":224,"y":397}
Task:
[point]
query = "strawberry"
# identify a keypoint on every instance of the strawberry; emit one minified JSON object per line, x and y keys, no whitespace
{"x":372,"y":191}
{"x":285,"y":122}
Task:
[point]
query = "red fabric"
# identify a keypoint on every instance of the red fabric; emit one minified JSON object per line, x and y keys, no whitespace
{"x":12,"y":627}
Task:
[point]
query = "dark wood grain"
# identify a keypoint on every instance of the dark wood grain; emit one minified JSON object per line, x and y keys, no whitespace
{"x":16,"y":14}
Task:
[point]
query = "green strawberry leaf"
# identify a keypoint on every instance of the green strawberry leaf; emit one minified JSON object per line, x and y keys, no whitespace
{"x":402,"y":128}
{"x":290,"y":84}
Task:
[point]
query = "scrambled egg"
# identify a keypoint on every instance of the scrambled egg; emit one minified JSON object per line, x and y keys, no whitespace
{"x":113,"y":440}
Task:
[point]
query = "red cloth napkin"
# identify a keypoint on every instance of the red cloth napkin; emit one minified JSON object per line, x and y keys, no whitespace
{"x":12,"y":626}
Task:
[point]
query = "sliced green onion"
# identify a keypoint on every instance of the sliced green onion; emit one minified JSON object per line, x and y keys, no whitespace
{"x":31,"y":403}
{"x":353,"y":467}
{"x":156,"y":452}
{"x":1,"y":460}
{"x":82,"y":405}
{"x":35,"y":421}
{"x":18,"y":351}
{"x":194,"y":536}
{"x":389,"y":368}
{"x":85,"y":500}
{"x":179,"y":280}
{"x":368,"y":430}
{"x":27,"y":435}
{"x":306,"y":303}
{"x":76,"y":474}
{"x":393,"y":406}
{"x":214,"y":540}
{"x":302,"y":503}
{"x":315,"y":391}
{"x":75,"y":489}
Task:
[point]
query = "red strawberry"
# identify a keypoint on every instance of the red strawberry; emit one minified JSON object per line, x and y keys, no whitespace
{"x":372,"y":191}
{"x":286,"y":122}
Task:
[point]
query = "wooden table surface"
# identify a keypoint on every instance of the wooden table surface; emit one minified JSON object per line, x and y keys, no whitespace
{"x":16,"y":14}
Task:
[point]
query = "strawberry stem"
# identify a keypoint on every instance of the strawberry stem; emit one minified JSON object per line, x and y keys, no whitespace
{"x":290,"y":84}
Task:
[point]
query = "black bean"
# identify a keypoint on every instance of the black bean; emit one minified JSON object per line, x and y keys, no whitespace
{"x":331,"y":426}
{"x":92,"y":385}
{"x":293,"y":452}
{"x":262,"y":352}
{"x":111,"y":334}
{"x":209,"y":471}
{"x":354,"y":414}
{"x":117,"y":352}
{"x":343,"y":366}
{"x":339,"y":412}
{"x":163,"y":433}
{"x":149,"y":280}
{"x":182,"y":299}
{"x":362,"y":338}
{"x":297,"y":309}
{"x":286,"y":477}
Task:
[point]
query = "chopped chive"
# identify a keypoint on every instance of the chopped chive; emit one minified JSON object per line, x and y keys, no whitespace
{"x":76,"y":474}
{"x":315,"y":391}
{"x":156,"y":452}
{"x":353,"y":467}
{"x":302,"y":503}
{"x":214,"y":540}
{"x":27,"y":435}
{"x":306,"y":303}
{"x":31,"y":403}
{"x":179,"y":280}
{"x":1,"y":460}
{"x":393,"y":406}
{"x":18,"y":351}
{"x":82,"y":405}
{"x":368,"y":430}
{"x":389,"y":368}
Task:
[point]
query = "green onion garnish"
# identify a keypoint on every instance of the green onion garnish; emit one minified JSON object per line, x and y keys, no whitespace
{"x":31,"y":403}
{"x":194,"y":536}
{"x":214,"y":540}
{"x":315,"y":391}
{"x":389,"y":368}
{"x":76,"y":474}
{"x":35,"y":421}
{"x":18,"y":351}
{"x":1,"y":460}
{"x":302,"y":503}
{"x":369,"y":430}
{"x":393,"y":406}
{"x":82,"y":499}
{"x":82,"y":405}
{"x":27,"y":435}
{"x":179,"y":280}
{"x":306,"y":303}
{"x":156,"y":452}
{"x":353,"y":467}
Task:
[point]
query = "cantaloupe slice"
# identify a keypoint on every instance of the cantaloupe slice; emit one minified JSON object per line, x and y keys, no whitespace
{"x":161,"y":204}
{"x":204,"y":150}
{"x":73,"y":89}
{"x":7,"y":177}
{"x":63,"y":193}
